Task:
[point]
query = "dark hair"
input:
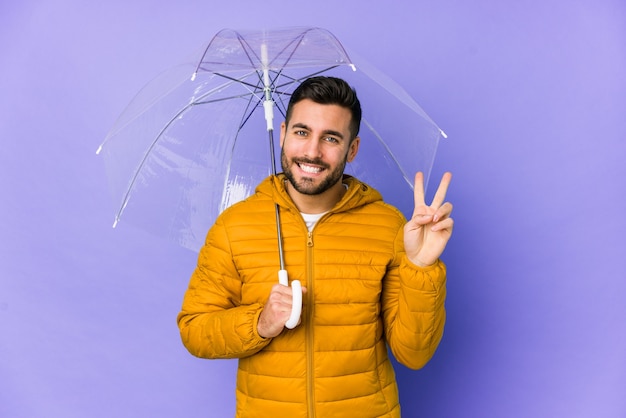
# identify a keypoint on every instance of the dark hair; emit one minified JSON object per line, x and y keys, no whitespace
{"x":329,"y":90}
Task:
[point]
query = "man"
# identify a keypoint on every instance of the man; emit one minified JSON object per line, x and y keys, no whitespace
{"x":370,"y":278}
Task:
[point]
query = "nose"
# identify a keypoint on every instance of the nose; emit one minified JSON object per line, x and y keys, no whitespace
{"x":312,"y":148}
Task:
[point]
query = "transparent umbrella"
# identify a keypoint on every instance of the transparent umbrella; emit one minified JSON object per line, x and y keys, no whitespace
{"x":193,"y":141}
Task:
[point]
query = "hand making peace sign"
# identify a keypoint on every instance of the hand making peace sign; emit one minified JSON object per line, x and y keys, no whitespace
{"x":429,"y":229}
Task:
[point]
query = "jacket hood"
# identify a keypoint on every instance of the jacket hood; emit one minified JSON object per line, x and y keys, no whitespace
{"x":358,"y":193}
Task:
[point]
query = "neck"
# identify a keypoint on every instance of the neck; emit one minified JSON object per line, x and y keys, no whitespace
{"x":318,"y":203}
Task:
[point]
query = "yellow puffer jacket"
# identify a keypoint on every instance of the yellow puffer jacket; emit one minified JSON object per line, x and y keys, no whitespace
{"x":362,"y":294}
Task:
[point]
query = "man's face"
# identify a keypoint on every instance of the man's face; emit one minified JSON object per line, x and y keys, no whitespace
{"x":316,"y":146}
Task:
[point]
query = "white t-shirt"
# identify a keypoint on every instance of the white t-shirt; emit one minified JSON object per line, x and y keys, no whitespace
{"x":311,"y":219}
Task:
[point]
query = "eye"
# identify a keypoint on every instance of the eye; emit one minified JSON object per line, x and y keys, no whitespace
{"x":300,"y":132}
{"x":331,"y":139}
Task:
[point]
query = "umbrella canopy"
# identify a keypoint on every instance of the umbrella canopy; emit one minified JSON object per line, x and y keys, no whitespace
{"x":194,"y":141}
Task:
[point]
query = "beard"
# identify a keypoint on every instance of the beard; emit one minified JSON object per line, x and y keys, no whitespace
{"x":307,"y":185}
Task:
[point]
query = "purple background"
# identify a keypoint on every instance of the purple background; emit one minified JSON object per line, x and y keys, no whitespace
{"x":533,"y":97}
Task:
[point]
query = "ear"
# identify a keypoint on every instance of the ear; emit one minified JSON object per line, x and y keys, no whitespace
{"x":283,"y":131}
{"x":354,"y":149}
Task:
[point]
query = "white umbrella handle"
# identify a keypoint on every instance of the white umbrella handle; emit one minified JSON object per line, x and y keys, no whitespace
{"x":296,"y":307}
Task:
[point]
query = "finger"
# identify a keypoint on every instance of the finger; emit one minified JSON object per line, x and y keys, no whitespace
{"x":280,"y":294}
{"x":445,"y":224}
{"x":443,"y":212}
{"x":280,"y":291}
{"x":440,"y":195}
{"x":418,"y":190}
{"x":279,"y":300}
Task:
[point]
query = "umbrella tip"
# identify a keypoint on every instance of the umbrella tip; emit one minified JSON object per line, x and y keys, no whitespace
{"x":99,"y":149}
{"x":193,"y":76}
{"x":445,"y":136}
{"x":353,"y":67}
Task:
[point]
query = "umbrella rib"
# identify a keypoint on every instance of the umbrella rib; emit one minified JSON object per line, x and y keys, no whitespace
{"x":143,"y":162}
{"x":241,"y":80}
{"x":253,"y":94}
{"x":221,"y":99}
{"x":279,"y":89}
{"x":391,"y":154}
{"x":298,"y":80}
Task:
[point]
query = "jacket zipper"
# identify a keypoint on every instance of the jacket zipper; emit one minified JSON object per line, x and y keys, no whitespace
{"x":310,"y":379}
{"x":309,"y":340}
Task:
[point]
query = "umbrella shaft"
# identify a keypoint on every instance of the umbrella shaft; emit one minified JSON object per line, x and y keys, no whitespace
{"x":279,"y":231}
{"x":272,"y":152}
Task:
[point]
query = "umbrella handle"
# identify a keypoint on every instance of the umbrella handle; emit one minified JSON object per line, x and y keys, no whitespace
{"x":296,"y":307}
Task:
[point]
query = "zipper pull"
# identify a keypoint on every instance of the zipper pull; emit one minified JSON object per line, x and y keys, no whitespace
{"x":309,"y":239}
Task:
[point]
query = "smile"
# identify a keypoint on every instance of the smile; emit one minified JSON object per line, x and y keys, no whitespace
{"x":309,"y":169}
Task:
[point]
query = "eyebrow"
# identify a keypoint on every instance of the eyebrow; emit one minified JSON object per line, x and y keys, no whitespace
{"x":326,"y":132}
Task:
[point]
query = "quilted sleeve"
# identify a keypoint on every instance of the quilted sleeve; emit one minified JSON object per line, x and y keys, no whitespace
{"x":413,"y":309}
{"x":212,"y":322}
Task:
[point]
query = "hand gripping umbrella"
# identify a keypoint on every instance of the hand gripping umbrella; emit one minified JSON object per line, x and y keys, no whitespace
{"x":188,"y":145}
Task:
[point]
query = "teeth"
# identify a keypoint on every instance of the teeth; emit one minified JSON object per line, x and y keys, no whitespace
{"x":309,"y":169}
